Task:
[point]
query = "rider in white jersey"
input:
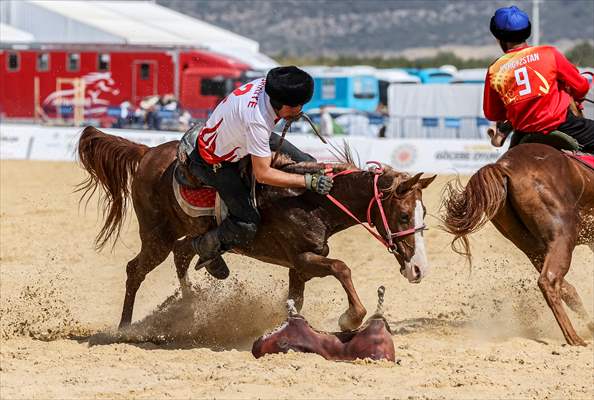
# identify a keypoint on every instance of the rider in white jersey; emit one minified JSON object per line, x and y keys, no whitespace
{"x":240,"y":126}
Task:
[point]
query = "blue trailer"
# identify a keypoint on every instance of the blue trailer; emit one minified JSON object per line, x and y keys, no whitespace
{"x":435,"y":75}
{"x":355,"y":88}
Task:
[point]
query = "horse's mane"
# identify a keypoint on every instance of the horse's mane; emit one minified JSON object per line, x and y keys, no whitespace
{"x":345,"y":157}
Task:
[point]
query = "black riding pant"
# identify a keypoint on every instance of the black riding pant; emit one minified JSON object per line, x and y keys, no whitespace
{"x":240,"y":227}
{"x":579,"y":128}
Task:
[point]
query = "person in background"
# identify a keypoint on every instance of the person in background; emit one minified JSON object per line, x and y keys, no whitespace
{"x":170,"y":103}
{"x":326,"y":121}
{"x":125,"y":116}
{"x":532,"y":87}
{"x":152,"y":106}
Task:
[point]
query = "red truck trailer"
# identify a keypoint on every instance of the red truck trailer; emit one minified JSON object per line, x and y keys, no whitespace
{"x":85,"y":81}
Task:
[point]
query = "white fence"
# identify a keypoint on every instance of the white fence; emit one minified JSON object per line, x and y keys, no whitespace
{"x":448,"y":156}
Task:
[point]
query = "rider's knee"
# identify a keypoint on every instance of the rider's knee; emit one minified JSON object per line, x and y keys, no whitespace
{"x":234,"y":232}
{"x":250,"y":230}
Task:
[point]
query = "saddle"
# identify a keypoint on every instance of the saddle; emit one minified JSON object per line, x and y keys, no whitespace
{"x":372,"y":340}
{"x":556,"y":139}
{"x":195,"y":198}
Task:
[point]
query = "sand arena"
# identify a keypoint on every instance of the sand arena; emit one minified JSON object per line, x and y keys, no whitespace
{"x":458,"y":334}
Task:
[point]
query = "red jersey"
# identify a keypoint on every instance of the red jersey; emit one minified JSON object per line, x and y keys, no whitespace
{"x":531,"y":87}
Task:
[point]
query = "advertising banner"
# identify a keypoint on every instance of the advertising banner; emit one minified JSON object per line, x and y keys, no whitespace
{"x":15,"y":145}
{"x":462,"y":156}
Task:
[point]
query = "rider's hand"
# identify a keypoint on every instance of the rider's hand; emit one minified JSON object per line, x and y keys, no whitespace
{"x":318,"y":183}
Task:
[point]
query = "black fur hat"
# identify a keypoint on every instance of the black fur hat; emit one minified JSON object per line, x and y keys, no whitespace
{"x":289,"y":86}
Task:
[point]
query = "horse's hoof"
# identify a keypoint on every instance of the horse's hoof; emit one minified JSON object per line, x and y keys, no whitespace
{"x":577,"y":341}
{"x":347,"y":323}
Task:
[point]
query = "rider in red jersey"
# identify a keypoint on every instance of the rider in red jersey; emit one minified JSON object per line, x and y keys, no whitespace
{"x":532,"y":86}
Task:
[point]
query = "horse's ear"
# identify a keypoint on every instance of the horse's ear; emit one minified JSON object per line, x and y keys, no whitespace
{"x":426,"y":181}
{"x":407,"y":184}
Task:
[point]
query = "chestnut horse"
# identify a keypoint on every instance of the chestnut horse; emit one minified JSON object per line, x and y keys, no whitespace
{"x":295,"y":224}
{"x":541,"y":200}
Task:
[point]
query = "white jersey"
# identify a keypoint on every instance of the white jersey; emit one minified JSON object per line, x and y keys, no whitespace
{"x":240,"y":125}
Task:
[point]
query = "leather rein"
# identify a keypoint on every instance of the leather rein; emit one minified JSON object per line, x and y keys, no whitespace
{"x":387,"y":241}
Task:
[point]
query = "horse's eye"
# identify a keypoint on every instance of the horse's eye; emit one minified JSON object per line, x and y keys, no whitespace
{"x":404,"y":218}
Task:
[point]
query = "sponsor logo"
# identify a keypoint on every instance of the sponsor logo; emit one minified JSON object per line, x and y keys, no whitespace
{"x":404,"y":156}
{"x":98,"y":88}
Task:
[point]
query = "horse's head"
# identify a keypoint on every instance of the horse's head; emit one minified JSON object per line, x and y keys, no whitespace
{"x":404,"y":212}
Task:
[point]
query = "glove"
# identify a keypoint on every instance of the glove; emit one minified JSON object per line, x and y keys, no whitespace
{"x":318,"y":183}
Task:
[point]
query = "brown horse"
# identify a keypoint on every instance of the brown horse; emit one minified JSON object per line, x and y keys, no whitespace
{"x":294,"y":230}
{"x":541,"y":200}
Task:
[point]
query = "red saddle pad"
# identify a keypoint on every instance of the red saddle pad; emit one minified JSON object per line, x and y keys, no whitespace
{"x":587,"y":159}
{"x":202,"y":197}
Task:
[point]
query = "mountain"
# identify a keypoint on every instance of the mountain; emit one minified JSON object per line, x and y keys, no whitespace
{"x":372,"y":27}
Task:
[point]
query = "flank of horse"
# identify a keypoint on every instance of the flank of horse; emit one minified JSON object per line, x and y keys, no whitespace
{"x":542,"y":201}
{"x":295,"y":225}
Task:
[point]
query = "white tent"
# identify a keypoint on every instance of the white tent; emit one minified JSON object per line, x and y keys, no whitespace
{"x":124,"y":22}
{"x":438,"y":110}
{"x":470,"y":75}
{"x":396,"y":75}
{"x":10,"y":34}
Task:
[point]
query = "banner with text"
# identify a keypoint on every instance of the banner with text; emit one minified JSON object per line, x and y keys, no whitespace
{"x":36,"y":142}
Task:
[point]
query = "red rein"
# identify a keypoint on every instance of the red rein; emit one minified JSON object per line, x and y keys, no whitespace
{"x":376,"y":199}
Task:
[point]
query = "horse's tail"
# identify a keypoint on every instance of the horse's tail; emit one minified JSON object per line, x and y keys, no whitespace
{"x":468,"y":209}
{"x":111,"y":162}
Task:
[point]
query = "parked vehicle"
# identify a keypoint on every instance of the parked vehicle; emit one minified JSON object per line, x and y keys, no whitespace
{"x":347,"y":121}
{"x":470,"y":75}
{"x":435,"y":75}
{"x":354,"y":87}
{"x":393,"y":75}
{"x":83,"y":81}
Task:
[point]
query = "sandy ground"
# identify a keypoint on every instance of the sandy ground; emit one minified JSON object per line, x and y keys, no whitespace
{"x":462,"y":335}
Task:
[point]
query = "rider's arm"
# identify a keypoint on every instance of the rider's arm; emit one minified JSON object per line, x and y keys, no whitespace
{"x":493,"y":106}
{"x":576,"y":85}
{"x":267,"y":175}
{"x":258,"y":146}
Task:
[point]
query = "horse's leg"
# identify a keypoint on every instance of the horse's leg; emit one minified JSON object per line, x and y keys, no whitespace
{"x":297,"y":287}
{"x":517,"y":233}
{"x":512,"y":228}
{"x":569,"y":295}
{"x":550,"y":281}
{"x":153,"y":252}
{"x":314,"y":265}
{"x":182,"y":256}
{"x":574,"y":302}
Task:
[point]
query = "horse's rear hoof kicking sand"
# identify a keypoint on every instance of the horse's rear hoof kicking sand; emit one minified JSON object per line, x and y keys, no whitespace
{"x":295,"y":226}
{"x":543,"y":201}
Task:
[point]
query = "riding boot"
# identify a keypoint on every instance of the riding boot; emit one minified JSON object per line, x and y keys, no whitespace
{"x":497,"y":137}
{"x":209,"y":249}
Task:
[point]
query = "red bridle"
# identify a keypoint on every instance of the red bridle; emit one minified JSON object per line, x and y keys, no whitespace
{"x":388,"y":241}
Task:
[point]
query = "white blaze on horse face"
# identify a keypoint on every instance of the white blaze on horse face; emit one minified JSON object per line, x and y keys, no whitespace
{"x":418,"y":267}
